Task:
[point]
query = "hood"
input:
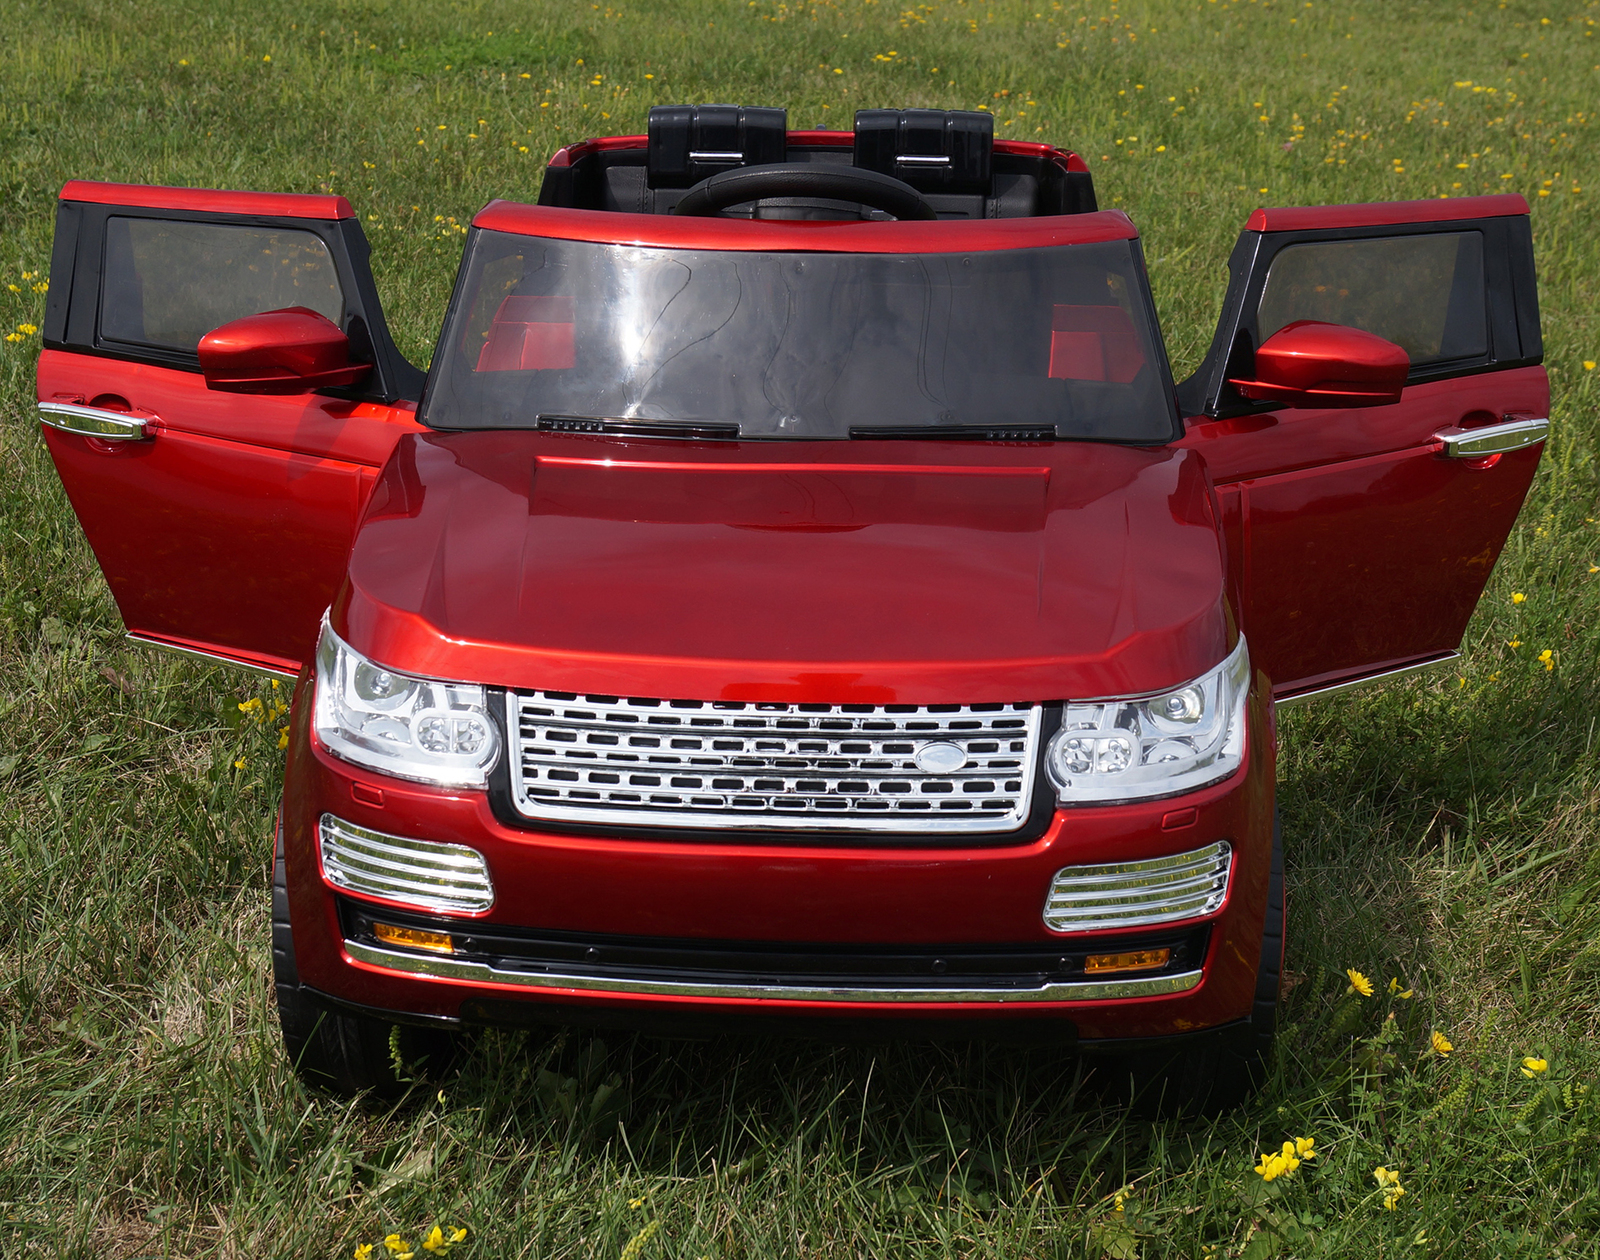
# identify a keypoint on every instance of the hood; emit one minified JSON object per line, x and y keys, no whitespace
{"x":834,"y":572}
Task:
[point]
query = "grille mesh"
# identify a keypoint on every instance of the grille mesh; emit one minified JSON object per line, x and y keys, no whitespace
{"x":797,"y":767}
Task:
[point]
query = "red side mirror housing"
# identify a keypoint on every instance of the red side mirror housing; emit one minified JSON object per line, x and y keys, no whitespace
{"x":292,"y":351}
{"x":1312,"y":364}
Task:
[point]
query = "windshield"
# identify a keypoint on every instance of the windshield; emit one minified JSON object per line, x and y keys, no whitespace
{"x":1056,"y":341}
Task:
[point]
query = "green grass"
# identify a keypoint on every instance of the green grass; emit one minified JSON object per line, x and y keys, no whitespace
{"x":1440,"y":831}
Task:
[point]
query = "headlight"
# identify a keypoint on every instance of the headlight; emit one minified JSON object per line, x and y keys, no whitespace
{"x":1123,"y":750}
{"x":412,"y":728}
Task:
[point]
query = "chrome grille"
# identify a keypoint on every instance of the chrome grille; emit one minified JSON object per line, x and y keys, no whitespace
{"x":1137,"y":894}
{"x":447,"y":877}
{"x":792,"y":767}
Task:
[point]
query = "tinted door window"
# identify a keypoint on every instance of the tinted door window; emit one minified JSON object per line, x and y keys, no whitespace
{"x":1425,"y":293}
{"x":167,"y":283}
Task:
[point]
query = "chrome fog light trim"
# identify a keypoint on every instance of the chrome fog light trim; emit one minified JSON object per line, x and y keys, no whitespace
{"x":423,"y":873}
{"x":1138,"y":894}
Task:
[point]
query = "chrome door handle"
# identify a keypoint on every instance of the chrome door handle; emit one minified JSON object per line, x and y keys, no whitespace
{"x":117,"y":426}
{"x":1493,"y":439}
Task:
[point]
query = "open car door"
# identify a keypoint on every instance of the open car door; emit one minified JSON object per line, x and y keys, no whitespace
{"x":1366,"y":493}
{"x":222,"y":515}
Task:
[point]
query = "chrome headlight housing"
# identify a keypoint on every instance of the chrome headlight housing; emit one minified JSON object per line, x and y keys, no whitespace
{"x":412,"y":728}
{"x":1150,"y":746}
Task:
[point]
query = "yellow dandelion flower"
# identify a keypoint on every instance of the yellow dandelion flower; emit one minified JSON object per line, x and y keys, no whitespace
{"x":1358,"y":983}
{"x":1517,"y":597}
{"x":1439,"y":1043}
{"x":1534,"y":1067}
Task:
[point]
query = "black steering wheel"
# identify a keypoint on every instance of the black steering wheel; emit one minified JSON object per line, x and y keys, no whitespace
{"x":804,"y":179}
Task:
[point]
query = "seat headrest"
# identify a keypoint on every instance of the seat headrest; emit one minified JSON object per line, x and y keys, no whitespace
{"x":933,"y":150}
{"x":687,"y":143}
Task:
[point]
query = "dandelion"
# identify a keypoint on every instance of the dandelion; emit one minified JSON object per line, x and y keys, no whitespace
{"x":1546,"y":659}
{"x":1358,"y":983}
{"x":1517,"y":597}
{"x":1388,"y":1180}
{"x":1534,"y":1067}
{"x":1439,"y":1043}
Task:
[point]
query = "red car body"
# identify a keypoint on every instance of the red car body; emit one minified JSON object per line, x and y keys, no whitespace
{"x":1344,"y":536}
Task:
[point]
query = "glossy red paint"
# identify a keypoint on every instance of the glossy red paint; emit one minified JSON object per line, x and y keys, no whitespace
{"x":1313,"y":364}
{"x":292,"y":351}
{"x":209,"y":200}
{"x":1385,"y":213}
{"x":227,"y":530}
{"x":1354,"y":545}
{"x":841,"y":894}
{"x":872,"y":572}
{"x":668,"y":231}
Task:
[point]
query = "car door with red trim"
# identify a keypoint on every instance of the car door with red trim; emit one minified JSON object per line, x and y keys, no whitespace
{"x":1360,"y":537}
{"x":222,"y":520}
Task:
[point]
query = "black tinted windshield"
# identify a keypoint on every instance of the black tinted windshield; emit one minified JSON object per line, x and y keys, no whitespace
{"x":803,"y":345}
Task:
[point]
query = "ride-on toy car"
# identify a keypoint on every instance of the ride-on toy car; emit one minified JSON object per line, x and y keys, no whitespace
{"x":797,"y":595}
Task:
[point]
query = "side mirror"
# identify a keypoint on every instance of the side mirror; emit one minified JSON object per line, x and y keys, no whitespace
{"x":292,"y":351}
{"x":1312,"y":364}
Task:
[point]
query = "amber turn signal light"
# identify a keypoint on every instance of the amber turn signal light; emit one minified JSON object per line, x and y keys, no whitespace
{"x":1138,"y":960}
{"x":414,"y":938}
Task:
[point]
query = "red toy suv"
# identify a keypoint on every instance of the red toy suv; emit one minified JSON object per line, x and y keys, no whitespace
{"x":797,"y":594}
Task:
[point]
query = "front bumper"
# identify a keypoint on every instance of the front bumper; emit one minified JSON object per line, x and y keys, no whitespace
{"x":661,"y":903}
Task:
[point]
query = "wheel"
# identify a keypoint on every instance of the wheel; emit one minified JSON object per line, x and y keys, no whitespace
{"x":1216,"y":1072}
{"x":339,"y":1051}
{"x":872,"y":189}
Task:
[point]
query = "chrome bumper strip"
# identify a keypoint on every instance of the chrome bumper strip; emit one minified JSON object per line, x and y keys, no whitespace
{"x":482,"y":973}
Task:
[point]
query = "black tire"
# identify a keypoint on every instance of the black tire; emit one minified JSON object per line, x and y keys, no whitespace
{"x":339,"y":1051}
{"x":1216,"y":1072}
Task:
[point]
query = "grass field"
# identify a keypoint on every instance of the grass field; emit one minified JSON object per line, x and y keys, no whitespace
{"x":1440,"y":832}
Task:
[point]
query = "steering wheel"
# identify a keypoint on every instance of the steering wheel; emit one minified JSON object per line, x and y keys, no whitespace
{"x":804,"y":179}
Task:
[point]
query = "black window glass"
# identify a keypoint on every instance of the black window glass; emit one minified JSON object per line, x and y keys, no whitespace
{"x":804,"y":345}
{"x":1425,"y":293}
{"x":168,"y":283}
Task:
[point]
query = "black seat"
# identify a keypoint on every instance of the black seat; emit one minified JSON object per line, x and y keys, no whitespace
{"x":688,"y":143}
{"x":933,"y":150}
